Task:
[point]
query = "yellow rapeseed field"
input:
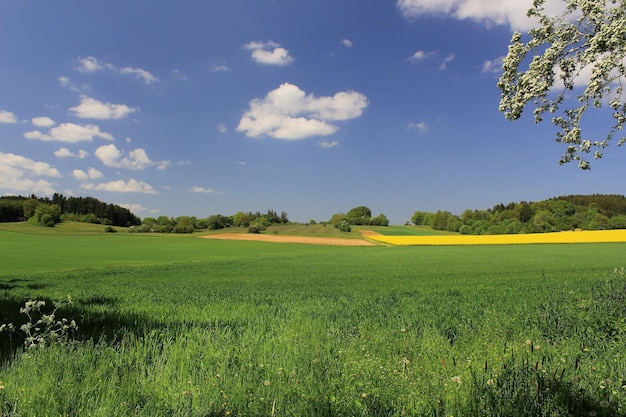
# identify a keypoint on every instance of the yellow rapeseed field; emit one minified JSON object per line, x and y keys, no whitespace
{"x":584,"y":236}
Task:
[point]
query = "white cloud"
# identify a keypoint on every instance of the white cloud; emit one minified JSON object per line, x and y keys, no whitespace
{"x":25,"y":164}
{"x":42,"y":121}
{"x":178,"y":75}
{"x":135,"y":208}
{"x":136,"y":159}
{"x":499,"y":12}
{"x":69,"y":132}
{"x":91,"y":174}
{"x":91,"y":108}
{"x":142,"y":74}
{"x":219,"y":68}
{"x":91,"y":65}
{"x":17,"y":172}
{"x":444,"y":64}
{"x":421,"y":127}
{"x":112,"y":157}
{"x":324,"y":144}
{"x":420,"y":56}
{"x":66,"y":153}
{"x":198,"y":189}
{"x":346,"y":42}
{"x":493,"y":66}
{"x":221,"y":127}
{"x":288,"y":113}
{"x":7,"y":117}
{"x":269,"y":53}
{"x":121,"y":186}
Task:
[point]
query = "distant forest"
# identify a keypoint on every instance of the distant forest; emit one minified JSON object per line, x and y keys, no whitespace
{"x":61,"y":208}
{"x":571,"y":212}
{"x":589,"y":212}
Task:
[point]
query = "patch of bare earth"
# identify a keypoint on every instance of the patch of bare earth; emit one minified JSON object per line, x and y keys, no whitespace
{"x":368,"y":233}
{"x":333,"y":241}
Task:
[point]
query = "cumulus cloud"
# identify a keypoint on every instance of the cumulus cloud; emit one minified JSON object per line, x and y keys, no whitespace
{"x":136,"y":159}
{"x":221,"y":127}
{"x":289,"y":113}
{"x":346,"y":42}
{"x":269,"y":53}
{"x":69,"y":132}
{"x":42,"y":121}
{"x":7,"y":117}
{"x":66,"y":153}
{"x":18,"y":173}
{"x":91,"y":64}
{"x":91,"y":174}
{"x":121,"y":186}
{"x":91,"y":108}
{"x":198,"y":189}
{"x":499,"y":12}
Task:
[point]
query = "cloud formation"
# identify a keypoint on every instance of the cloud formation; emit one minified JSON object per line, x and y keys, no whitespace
{"x":499,"y":12}
{"x":66,"y":153}
{"x":42,"y":121}
{"x":18,"y":173}
{"x":135,"y":160}
{"x":91,"y":174}
{"x":7,"y":117}
{"x":198,"y":189}
{"x":121,"y":186}
{"x":269,"y":53}
{"x":289,"y":113}
{"x":91,"y":108}
{"x":70,"y":133}
{"x":327,"y":144}
{"x":91,"y":64}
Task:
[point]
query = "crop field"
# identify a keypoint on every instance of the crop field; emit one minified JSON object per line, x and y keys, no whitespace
{"x":181,"y":326}
{"x":586,"y":236}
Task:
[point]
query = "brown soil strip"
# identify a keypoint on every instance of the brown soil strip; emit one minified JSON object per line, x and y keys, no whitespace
{"x":367,"y":233}
{"x":334,"y":241}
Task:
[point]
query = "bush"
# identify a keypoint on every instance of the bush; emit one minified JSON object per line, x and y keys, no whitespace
{"x":109,"y":229}
{"x":255,"y":228}
{"x":344,"y":226}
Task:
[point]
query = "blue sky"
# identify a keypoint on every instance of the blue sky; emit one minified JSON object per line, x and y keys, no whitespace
{"x":312,"y":107}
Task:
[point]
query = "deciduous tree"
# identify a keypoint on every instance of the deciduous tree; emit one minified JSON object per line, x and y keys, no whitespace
{"x":570,"y":63}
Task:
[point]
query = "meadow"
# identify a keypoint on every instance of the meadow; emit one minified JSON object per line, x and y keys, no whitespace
{"x":179,"y":326}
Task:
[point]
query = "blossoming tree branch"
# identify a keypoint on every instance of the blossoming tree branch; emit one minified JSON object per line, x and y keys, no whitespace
{"x":571,"y":62}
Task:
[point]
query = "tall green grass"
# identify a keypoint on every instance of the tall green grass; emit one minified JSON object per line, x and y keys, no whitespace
{"x":173,"y":326}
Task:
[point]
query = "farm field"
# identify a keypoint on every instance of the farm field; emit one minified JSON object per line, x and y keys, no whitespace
{"x":180,"y":326}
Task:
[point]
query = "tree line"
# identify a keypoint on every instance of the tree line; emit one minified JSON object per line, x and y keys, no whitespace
{"x":255,"y":222}
{"x":50,"y":211}
{"x":589,"y":212}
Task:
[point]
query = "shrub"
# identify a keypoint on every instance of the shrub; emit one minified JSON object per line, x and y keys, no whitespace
{"x":344,"y":226}
{"x":255,"y":228}
{"x":110,"y":229}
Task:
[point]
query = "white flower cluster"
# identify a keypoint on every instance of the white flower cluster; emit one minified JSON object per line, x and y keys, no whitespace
{"x":586,"y":47}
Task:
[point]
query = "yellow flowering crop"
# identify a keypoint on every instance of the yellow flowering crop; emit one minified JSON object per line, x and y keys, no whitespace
{"x":585,"y":236}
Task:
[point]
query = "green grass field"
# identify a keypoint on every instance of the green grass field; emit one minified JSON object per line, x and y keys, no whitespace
{"x":180,"y":326}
